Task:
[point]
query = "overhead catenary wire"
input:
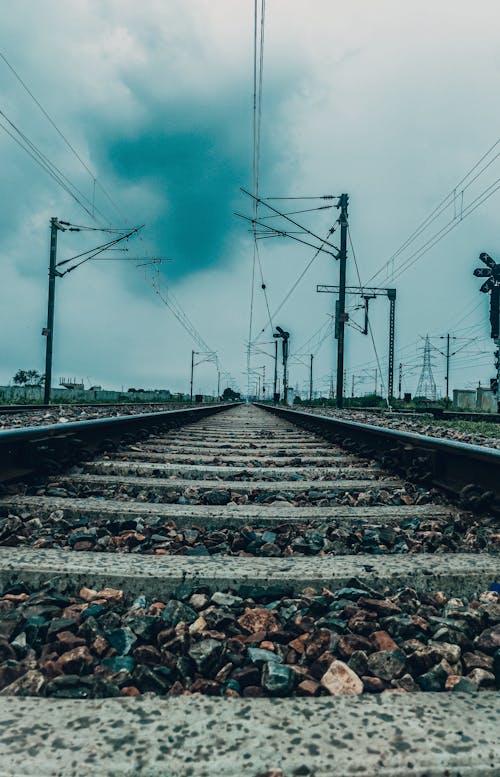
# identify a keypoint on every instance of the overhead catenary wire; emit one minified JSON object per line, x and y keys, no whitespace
{"x":295,"y":212}
{"x":93,"y":252}
{"x":61,"y":134}
{"x":452,"y":224}
{"x":317,"y":197}
{"x":258,"y":70}
{"x":291,"y":235}
{"x":292,"y":221}
{"x":23,"y":141}
{"x":305,"y":346}
{"x":170,"y":301}
{"x":447,"y":201}
{"x":82,"y":228}
{"x":258,"y":148}
{"x":294,"y":285}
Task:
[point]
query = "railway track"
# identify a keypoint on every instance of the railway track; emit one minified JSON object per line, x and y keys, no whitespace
{"x":24,"y":408}
{"x":244,"y":595}
{"x":438,"y":413}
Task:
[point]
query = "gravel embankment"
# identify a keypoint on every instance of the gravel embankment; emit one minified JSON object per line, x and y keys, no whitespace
{"x":343,"y":642}
{"x":416,"y":425}
{"x":62,"y":414}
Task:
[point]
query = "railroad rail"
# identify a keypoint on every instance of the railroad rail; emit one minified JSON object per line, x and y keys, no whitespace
{"x":224,"y":590}
{"x":469,"y":472}
{"x":26,"y":450}
{"x":438,"y":413}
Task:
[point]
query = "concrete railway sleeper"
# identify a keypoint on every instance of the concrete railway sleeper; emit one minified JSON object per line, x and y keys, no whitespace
{"x":242,"y":595}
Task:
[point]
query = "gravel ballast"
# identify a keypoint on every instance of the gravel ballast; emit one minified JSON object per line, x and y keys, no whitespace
{"x":247,"y":644}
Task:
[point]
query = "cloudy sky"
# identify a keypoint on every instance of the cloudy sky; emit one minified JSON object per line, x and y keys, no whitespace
{"x":392,"y":102}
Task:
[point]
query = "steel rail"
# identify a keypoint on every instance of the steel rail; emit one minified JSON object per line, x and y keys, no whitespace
{"x":438,"y":413}
{"x":27,"y":450}
{"x":469,"y":472}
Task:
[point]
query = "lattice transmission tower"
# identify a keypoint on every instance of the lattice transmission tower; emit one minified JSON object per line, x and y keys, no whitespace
{"x":426,"y":384}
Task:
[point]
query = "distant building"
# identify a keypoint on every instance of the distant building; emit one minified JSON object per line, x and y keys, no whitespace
{"x":475,"y":400}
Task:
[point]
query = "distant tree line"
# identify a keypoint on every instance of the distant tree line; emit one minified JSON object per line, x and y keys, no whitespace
{"x":28,"y":378}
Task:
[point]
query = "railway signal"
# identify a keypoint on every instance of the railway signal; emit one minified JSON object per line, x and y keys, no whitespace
{"x":284,"y":336}
{"x":491,"y":286}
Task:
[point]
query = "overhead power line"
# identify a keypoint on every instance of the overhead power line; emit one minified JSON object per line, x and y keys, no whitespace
{"x":168,"y":299}
{"x":44,"y":162}
{"x":317,"y":197}
{"x":446,"y":202}
{"x":303,"y":349}
{"x":61,"y":134}
{"x":258,"y":74}
{"x":287,"y":218}
{"x":93,"y":252}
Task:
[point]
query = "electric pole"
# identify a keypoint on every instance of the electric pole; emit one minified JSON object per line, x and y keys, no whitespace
{"x":447,"y":355}
{"x":391,"y":293}
{"x":447,"y":369}
{"x":343,"y":202}
{"x":497,"y":367}
{"x":311,"y":378}
{"x":192,"y":375}
{"x":368,"y":293}
{"x":49,"y":331}
{"x":400,"y":379}
{"x":284,"y":346}
{"x":275,"y":385}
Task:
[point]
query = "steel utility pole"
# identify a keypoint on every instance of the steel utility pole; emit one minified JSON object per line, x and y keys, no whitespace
{"x":343,"y":202}
{"x":311,"y":378}
{"x":284,"y":346}
{"x":400,"y":379}
{"x":447,"y":368}
{"x":497,"y":366}
{"x":447,"y":355}
{"x":192,"y":375}
{"x":49,"y":330}
{"x":368,"y":293}
{"x":391,"y":293}
{"x":275,"y":386}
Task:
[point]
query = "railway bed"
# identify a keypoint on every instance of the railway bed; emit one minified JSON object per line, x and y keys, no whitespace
{"x":240,"y":595}
{"x":60,"y":406}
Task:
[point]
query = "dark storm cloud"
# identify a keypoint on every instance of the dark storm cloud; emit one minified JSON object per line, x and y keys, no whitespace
{"x":194,"y":156}
{"x":195,"y":174}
